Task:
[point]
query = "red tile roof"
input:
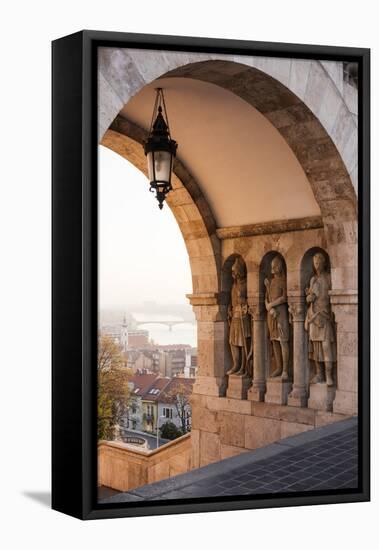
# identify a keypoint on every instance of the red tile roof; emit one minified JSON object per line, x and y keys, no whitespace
{"x":175,"y":385}
{"x":155,"y":390}
{"x":142,"y":382}
{"x":152,"y":387}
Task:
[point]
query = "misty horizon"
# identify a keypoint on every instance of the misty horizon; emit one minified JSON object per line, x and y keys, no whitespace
{"x":142,"y":254}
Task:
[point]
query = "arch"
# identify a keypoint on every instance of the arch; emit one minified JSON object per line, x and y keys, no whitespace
{"x":294,"y":120}
{"x":296,"y":114}
{"x":316,"y":83}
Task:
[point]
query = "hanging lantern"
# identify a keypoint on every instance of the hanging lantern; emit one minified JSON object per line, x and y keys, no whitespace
{"x":160,"y":150}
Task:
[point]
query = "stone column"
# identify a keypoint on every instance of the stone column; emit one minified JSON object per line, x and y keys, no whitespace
{"x":212,"y":343}
{"x":345,"y":308}
{"x":213,"y":361}
{"x":258,"y":388}
{"x":299,"y":394}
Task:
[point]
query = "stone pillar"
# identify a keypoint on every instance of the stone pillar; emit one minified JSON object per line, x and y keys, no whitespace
{"x":345,"y":308}
{"x":258,"y":388}
{"x":299,"y":394}
{"x":212,"y":344}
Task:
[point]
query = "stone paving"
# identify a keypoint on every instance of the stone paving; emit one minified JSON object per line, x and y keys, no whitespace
{"x":322,"y":459}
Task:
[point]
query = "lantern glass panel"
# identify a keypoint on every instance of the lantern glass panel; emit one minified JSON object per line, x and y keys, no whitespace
{"x":162,"y":161}
{"x":150,"y":166}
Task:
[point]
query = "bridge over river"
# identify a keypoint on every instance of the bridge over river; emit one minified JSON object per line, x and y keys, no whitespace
{"x":167,"y":323}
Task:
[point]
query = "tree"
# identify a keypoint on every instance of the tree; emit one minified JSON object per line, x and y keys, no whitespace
{"x":170,"y":431}
{"x":179,"y":395}
{"x":113,"y":389}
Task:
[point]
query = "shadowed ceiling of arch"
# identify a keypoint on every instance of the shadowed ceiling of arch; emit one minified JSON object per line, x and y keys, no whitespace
{"x":244,"y":167}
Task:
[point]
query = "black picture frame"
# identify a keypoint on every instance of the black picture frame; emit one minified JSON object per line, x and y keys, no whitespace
{"x":74,"y":271}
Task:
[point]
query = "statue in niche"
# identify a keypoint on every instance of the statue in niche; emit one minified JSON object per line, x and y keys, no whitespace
{"x":319,"y":322}
{"x":277,"y":317}
{"x":239,"y":321}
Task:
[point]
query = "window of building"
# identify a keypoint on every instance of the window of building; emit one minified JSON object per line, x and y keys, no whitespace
{"x":167,"y":412}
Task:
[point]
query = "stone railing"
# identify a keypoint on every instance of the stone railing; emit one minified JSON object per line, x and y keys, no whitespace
{"x":123,"y":468}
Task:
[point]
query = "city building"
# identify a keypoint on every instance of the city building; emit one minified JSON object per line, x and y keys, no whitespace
{"x":138,"y":361}
{"x":156,"y":399}
{"x":127,"y":339}
{"x":124,"y":336}
{"x":179,"y":360}
{"x":150,"y":404}
{"x":139,"y":385}
{"x":174,"y":403}
{"x":138,"y":338}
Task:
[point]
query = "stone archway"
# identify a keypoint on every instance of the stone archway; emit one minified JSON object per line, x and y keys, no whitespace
{"x":310,"y":142}
{"x":325,"y":150}
{"x":324,"y":157}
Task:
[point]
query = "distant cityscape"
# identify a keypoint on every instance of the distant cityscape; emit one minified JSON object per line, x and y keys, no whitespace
{"x":161,"y":375}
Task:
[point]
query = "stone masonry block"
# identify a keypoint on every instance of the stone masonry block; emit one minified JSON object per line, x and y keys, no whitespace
{"x":204,"y":419}
{"x":209,"y":448}
{"x":287,"y":429}
{"x":285,"y":413}
{"x":232,"y":428}
{"x":239,"y":406}
{"x":228,"y":451}
{"x":261,"y":431}
{"x":195,"y":448}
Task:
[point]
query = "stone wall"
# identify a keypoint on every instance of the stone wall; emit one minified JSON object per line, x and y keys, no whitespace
{"x":223,"y":427}
{"x":123,"y":468}
{"x":226,"y":422}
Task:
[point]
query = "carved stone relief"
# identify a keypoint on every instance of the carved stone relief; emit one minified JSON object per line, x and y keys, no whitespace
{"x":239,"y":319}
{"x":319,"y":322}
{"x":277,"y":317}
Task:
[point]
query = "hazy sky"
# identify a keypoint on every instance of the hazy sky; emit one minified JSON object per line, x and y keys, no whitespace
{"x":142,"y":255}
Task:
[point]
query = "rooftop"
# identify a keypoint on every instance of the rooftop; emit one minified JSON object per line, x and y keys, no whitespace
{"x":142,"y":382}
{"x":176,"y":386}
{"x":155,"y":390}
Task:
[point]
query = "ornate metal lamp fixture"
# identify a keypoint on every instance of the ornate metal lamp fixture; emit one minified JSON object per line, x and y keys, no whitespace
{"x":160,"y":150}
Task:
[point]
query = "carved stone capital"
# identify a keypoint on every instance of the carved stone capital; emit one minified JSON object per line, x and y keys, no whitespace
{"x":257,"y":311}
{"x":256,"y":306}
{"x":296,"y":307}
{"x":203,"y":299}
{"x":208,"y":306}
{"x":297,"y":312}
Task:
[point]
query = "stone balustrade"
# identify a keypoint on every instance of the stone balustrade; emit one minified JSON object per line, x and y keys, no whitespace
{"x":122,"y":467}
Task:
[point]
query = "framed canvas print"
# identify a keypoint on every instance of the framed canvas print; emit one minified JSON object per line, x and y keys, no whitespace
{"x":210,"y":274}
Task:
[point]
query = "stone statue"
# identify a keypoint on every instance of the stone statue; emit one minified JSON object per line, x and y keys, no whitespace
{"x":239,"y":321}
{"x":277,"y":317}
{"x":319,"y":322}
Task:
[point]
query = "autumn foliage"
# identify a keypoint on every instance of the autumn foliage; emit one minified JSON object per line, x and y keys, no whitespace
{"x":113,"y":390}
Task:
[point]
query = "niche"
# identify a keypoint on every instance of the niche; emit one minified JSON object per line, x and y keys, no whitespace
{"x":307,"y":272}
{"x":278,"y":333}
